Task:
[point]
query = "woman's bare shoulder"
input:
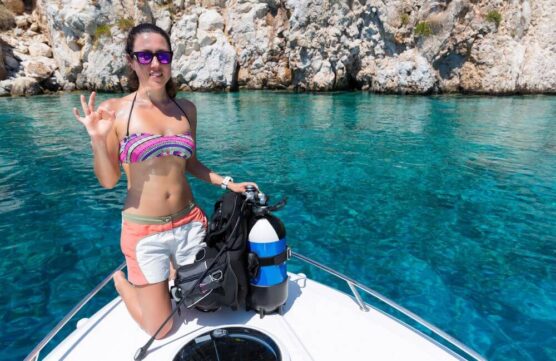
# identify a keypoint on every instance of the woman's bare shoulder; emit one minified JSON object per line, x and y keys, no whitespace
{"x":186,"y":103}
{"x":117,"y":104}
{"x":189,"y":108}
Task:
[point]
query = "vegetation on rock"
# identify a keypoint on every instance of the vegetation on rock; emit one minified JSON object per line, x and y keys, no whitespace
{"x":101,"y":31}
{"x":423,"y":28}
{"x":404,"y":19}
{"x":494,"y":16}
{"x":125,"y":24}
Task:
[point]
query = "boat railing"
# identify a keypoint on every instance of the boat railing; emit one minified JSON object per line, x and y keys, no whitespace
{"x":353,"y":285}
{"x":34,"y":355}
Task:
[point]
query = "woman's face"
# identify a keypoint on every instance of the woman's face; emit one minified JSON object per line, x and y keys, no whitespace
{"x":154,"y":75}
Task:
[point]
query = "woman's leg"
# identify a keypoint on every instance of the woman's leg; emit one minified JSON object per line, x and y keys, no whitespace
{"x":146,"y":244}
{"x":149,"y":305}
{"x":128,"y":294}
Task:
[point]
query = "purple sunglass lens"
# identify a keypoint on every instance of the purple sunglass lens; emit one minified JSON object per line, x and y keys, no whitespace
{"x":144,"y":57}
{"x":164,"y":57}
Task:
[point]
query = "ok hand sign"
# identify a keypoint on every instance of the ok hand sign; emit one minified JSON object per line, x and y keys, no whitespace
{"x":97,"y":122}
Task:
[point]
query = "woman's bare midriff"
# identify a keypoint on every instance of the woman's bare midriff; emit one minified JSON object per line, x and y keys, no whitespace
{"x":157,"y":187}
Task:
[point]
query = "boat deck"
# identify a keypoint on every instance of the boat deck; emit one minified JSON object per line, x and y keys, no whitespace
{"x":319,"y":323}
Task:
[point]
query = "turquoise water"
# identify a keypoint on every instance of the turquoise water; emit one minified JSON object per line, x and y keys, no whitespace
{"x":445,"y":204}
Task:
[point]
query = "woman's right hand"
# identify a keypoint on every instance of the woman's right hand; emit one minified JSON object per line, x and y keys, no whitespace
{"x":97,"y":122}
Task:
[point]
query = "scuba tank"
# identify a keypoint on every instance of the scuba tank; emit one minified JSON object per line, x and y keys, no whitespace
{"x":268,"y":253}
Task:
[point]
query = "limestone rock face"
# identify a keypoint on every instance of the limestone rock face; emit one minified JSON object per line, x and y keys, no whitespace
{"x":21,"y":22}
{"x":5,"y":88}
{"x":203,"y":57}
{"x":3,"y":72}
{"x":39,"y":67}
{"x":211,"y":20}
{"x":526,"y":48}
{"x":400,"y":46}
{"x":104,"y":68}
{"x":71,"y":26}
{"x":11,"y":63}
{"x":257,"y":30}
{"x":7,"y":19}
{"x":25,"y":86}
{"x":409,"y":72}
{"x":40,"y":49}
{"x":323,"y":49}
{"x":164,"y":20}
{"x":15,"y":6}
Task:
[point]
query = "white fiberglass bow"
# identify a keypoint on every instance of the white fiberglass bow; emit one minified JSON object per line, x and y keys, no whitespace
{"x":318,"y":323}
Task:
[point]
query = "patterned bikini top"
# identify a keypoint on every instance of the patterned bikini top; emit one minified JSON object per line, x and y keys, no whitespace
{"x":139,"y":147}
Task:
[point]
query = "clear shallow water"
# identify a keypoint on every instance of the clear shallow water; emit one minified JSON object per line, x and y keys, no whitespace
{"x":446,"y":204}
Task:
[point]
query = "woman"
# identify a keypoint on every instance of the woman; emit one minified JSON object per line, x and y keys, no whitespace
{"x":152,"y":135}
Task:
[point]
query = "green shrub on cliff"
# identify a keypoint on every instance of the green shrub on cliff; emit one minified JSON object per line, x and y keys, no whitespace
{"x":423,"y":28}
{"x":494,"y":17}
{"x":404,"y":19}
{"x":125,"y":24}
{"x":101,"y":30}
{"x":7,"y":19}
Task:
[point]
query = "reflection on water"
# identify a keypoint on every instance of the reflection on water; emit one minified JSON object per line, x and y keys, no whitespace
{"x":446,"y":204}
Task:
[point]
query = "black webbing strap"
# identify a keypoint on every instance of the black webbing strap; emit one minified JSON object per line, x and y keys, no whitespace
{"x":275,"y":260}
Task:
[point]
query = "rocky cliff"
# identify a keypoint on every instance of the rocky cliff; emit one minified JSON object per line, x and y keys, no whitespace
{"x":399,"y":46}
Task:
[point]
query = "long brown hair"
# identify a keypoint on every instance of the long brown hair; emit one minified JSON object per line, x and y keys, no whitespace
{"x":133,"y":80}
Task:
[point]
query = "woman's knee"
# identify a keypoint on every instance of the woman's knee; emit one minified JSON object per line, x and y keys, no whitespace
{"x":155,"y":308}
{"x":151,"y":329}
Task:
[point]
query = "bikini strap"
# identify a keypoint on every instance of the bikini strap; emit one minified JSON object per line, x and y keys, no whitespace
{"x":174,"y":100}
{"x":129,"y":117}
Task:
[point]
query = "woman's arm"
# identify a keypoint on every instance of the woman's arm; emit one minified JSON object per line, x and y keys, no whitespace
{"x":105,"y":153}
{"x":196,"y":167}
{"x":100,"y":125}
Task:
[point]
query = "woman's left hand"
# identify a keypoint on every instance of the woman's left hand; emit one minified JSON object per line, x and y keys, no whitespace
{"x":241,"y":187}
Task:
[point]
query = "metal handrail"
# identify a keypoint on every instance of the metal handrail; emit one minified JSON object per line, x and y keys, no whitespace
{"x":34,"y":355}
{"x":352,"y":283}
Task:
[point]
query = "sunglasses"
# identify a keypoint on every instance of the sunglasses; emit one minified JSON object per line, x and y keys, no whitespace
{"x":146,"y":57}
